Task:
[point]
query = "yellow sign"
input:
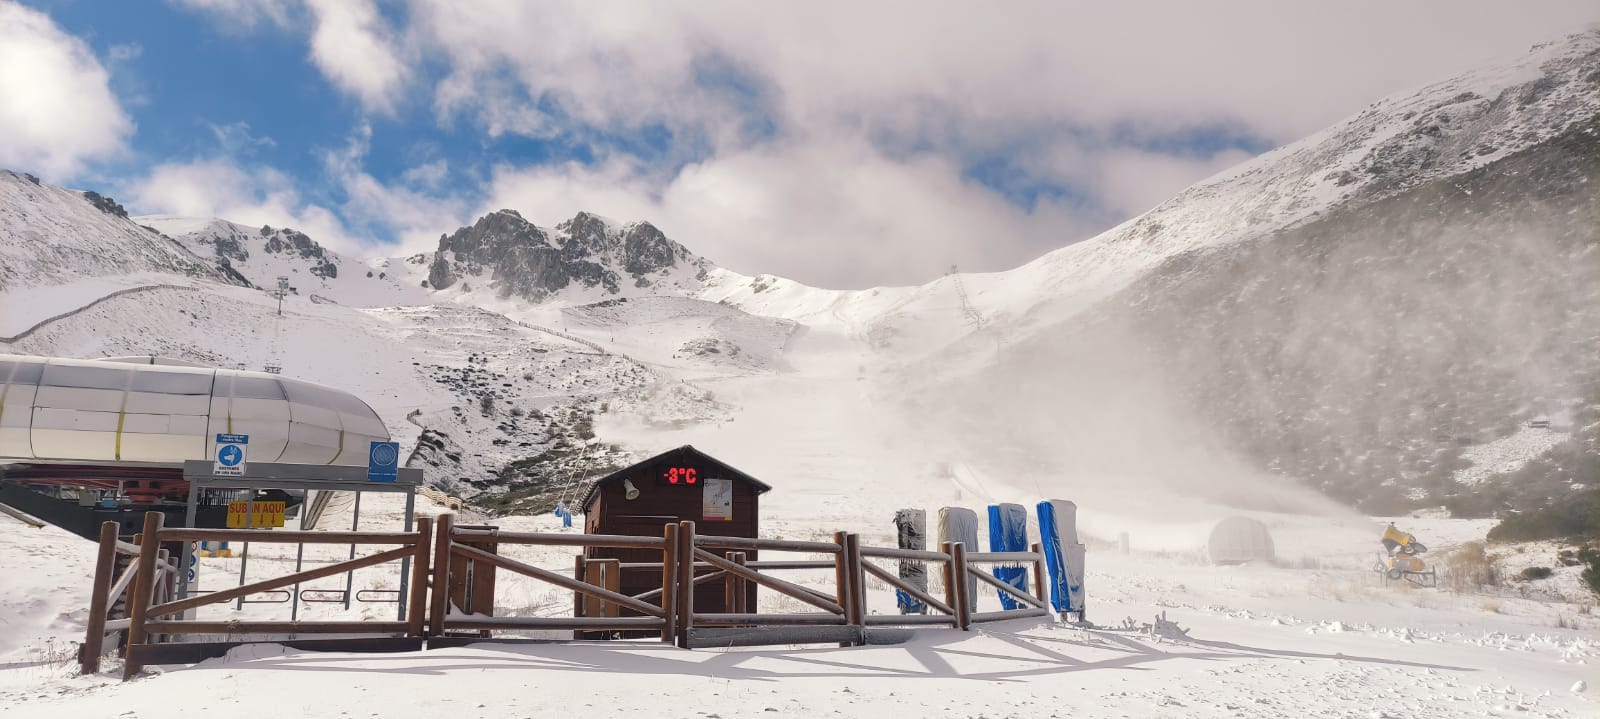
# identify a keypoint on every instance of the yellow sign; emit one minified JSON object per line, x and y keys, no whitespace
{"x":267,"y":514}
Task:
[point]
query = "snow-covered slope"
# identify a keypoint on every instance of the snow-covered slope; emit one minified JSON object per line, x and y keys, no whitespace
{"x":262,"y":255}
{"x":51,"y":236}
{"x":1403,"y":141}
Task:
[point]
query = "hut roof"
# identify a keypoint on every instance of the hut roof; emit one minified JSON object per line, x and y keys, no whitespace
{"x":686,"y":454}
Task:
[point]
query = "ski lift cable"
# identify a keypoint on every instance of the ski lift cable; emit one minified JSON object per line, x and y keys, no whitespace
{"x":572,"y":474}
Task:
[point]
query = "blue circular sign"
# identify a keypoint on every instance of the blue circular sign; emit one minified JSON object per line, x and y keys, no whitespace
{"x":384,"y":454}
{"x":230,"y":455}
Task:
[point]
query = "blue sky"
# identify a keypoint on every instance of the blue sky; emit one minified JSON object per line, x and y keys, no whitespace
{"x":844,"y":145}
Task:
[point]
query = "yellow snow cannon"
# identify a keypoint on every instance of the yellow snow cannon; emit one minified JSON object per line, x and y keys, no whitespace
{"x":1401,"y":561}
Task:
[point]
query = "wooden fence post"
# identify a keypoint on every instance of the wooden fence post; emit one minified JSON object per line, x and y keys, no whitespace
{"x":444,"y":536}
{"x":144,"y":585}
{"x":841,"y":575}
{"x":948,"y":574}
{"x":417,"y":603}
{"x":741,"y":596}
{"x":580,"y":572}
{"x":857,"y":611}
{"x":958,"y":568}
{"x":105,"y":564}
{"x":730,"y":584}
{"x":669,"y":582}
{"x":685,"y":582}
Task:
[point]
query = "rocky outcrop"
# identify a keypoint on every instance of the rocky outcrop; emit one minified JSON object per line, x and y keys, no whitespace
{"x":523,"y":260}
{"x":287,"y":241}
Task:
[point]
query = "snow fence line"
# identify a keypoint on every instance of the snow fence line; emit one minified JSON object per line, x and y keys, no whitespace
{"x":69,"y":313}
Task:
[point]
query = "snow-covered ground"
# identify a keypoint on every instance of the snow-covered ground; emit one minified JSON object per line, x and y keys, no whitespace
{"x":1506,"y":454}
{"x":1279,"y":641}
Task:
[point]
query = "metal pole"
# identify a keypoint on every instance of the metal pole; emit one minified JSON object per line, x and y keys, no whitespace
{"x":249,"y":523}
{"x":188,"y":547}
{"x":299,"y":558}
{"x":405,"y":564}
{"x":350,"y":576}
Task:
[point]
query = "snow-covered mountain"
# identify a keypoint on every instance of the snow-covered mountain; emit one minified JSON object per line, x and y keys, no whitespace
{"x":1352,"y":311}
{"x":584,"y":258}
{"x":1347,"y":313}
{"x":54,"y":236}
{"x":261,"y":255}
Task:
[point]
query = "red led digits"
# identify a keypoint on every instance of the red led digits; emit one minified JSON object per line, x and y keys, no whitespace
{"x":681,"y":475}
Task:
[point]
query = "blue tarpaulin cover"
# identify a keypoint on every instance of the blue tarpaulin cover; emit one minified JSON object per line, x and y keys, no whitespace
{"x":1058,"y":532}
{"x":1008,"y":532}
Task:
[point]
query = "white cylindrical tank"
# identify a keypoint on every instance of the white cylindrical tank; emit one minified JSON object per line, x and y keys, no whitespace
{"x":153,"y":410}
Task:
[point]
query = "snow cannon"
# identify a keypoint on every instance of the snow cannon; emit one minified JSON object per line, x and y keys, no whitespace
{"x":1395,"y":540}
{"x":1400,"y":561}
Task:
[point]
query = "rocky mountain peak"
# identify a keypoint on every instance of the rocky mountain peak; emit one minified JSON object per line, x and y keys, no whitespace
{"x":518,"y":258}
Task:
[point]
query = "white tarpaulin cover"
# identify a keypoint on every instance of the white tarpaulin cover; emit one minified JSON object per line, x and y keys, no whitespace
{"x":959,"y":524}
{"x":1237,"y":540}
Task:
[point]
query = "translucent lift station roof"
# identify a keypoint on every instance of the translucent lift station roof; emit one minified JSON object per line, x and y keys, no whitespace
{"x":144,"y":409}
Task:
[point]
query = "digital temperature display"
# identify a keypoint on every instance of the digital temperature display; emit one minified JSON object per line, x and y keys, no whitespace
{"x":679,"y":476}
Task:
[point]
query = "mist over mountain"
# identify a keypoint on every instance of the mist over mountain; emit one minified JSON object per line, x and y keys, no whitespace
{"x":1382,"y":349}
{"x":1400,"y":311}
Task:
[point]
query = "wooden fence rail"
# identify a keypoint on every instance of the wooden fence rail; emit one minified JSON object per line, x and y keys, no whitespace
{"x":152,"y":600}
{"x":443,"y":601}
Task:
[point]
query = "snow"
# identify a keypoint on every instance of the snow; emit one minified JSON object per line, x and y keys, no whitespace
{"x":1507,"y":454}
{"x":1250,"y":640}
{"x":359,"y":283}
{"x":815,"y":392}
{"x":25,"y":307}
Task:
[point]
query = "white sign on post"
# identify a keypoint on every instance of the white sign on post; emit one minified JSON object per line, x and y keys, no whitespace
{"x":230,"y":455}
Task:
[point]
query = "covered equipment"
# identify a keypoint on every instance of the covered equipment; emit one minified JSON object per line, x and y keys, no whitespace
{"x":1238,"y":540}
{"x":1063,"y":554}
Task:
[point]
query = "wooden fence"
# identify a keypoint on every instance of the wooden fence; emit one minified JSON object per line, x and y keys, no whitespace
{"x":452,"y":583}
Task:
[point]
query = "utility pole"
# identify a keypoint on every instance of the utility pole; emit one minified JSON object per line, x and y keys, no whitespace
{"x":281,"y":292}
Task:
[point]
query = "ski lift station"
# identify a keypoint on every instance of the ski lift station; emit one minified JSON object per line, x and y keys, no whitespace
{"x":87,"y":441}
{"x":683,"y":484}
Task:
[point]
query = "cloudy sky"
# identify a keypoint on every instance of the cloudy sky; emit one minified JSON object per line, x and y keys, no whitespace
{"x":844,"y":144}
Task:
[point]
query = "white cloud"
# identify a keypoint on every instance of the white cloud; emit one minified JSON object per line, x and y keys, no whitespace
{"x":1048,"y":89}
{"x":373,"y":218}
{"x":871,"y":111}
{"x":897,"y":64}
{"x":428,"y":175}
{"x":59,"y":111}
{"x":243,"y":14}
{"x":124,"y":53}
{"x":248,"y":196}
{"x":235,"y":138}
{"x":409,"y":218}
{"x":835,"y":215}
{"x":355,"y":49}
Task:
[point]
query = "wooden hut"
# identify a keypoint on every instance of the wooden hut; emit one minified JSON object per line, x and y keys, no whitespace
{"x":681,"y":484}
